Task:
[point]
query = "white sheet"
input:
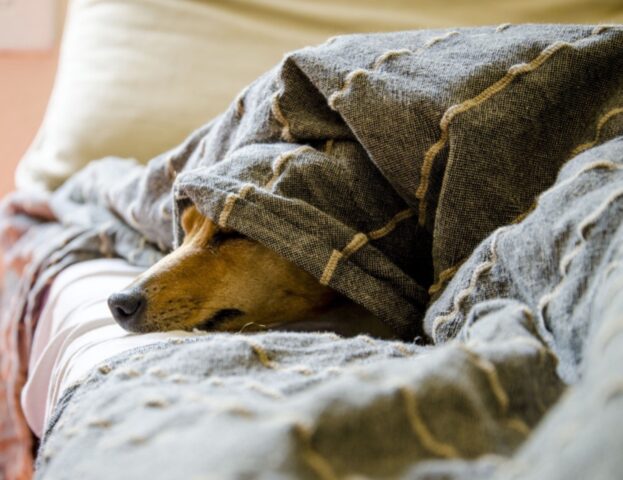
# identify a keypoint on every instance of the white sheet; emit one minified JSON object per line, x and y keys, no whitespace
{"x":76,"y":332}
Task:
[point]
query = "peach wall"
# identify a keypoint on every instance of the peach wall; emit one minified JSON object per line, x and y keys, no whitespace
{"x":26,"y":80}
{"x":25,"y":84}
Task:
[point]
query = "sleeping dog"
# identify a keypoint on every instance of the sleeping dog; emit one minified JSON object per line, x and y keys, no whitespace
{"x":222,"y":281}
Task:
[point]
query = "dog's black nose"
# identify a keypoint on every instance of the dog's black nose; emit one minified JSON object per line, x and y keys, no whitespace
{"x":127,"y":306}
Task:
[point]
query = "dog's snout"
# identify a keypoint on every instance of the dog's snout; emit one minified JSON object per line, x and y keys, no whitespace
{"x":127,"y":306}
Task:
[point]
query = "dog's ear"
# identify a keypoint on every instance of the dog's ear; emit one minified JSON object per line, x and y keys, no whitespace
{"x":198,"y":229}
{"x":190,"y":218}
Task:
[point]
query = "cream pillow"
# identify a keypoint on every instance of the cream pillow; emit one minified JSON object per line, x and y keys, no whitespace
{"x":136,"y":76}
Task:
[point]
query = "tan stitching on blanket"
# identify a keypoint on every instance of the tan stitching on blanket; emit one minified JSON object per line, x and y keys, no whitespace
{"x":137,"y":357}
{"x":543,"y":302}
{"x":456,"y":109}
{"x":316,"y":462}
{"x":438,"y":39}
{"x":156,"y":402}
{"x":402,"y":349}
{"x":240,"y":106}
{"x":104,"y":369}
{"x":582,"y":229}
{"x":263,"y":389}
{"x":132,"y":218}
{"x":137,"y":439}
{"x":605,"y":164}
{"x":71,"y":432}
{"x":610,"y":332}
{"x":262,"y":355}
{"x":484,"y":267}
{"x":518,"y":425}
{"x":179,"y":378}
{"x":328,"y":146}
{"x":495,"y":384}
{"x":602,"y":28}
{"x":106,"y":246}
{"x":229,"y":204}
{"x":128,"y":373}
{"x":280,"y":117}
{"x":379,"y":61}
{"x":330,"y":267}
{"x":282,"y":160}
{"x":600,"y":124}
{"x":359,"y":72}
{"x":171,"y":172}
{"x":566,"y":260}
{"x":359,"y":240}
{"x":204,"y":145}
{"x":99,"y":423}
{"x":613,"y":391}
{"x":390,"y":54}
{"x":611,"y":267}
{"x":240,"y":103}
{"x":490,"y":372}
{"x":391,"y":225}
{"x":444,"y":277}
{"x":502,"y":27}
{"x":300,"y":369}
{"x":157,"y":372}
{"x":615,"y":328}
{"x":405,"y":51}
{"x":429,"y":442}
{"x":366,"y":338}
{"x":239,"y":411}
{"x":165,"y":213}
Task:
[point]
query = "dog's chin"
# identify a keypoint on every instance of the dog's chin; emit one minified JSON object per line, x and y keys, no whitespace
{"x":215,"y":322}
{"x":138,"y":327}
{"x":144,"y":324}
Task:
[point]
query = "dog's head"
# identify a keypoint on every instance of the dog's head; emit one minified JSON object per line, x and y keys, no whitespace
{"x":217,"y":281}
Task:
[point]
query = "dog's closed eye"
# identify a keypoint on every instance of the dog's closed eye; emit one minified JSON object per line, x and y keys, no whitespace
{"x":221,"y":235}
{"x":220,"y":317}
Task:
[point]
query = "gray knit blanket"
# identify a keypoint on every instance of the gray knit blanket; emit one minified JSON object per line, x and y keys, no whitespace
{"x":464,"y":186}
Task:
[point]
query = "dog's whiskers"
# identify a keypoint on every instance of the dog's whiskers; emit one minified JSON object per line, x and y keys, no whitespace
{"x":248,"y":324}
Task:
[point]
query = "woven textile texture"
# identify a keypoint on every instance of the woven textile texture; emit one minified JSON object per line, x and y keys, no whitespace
{"x":419,"y":174}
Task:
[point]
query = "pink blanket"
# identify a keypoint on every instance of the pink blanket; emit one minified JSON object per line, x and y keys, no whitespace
{"x":25,"y":289}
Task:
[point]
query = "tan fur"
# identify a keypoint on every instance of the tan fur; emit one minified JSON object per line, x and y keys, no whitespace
{"x":215,"y":271}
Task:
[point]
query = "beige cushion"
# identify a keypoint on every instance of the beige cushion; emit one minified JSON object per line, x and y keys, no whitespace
{"x":136,"y":76}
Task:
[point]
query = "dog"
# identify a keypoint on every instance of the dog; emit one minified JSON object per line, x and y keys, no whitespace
{"x":219,"y":280}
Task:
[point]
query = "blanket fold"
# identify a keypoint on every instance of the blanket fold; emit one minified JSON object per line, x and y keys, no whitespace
{"x":373,"y":162}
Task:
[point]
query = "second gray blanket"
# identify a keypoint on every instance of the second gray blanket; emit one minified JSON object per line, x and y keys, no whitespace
{"x":537,"y":305}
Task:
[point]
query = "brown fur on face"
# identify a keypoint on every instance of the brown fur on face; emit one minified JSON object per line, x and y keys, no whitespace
{"x":220,"y":281}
